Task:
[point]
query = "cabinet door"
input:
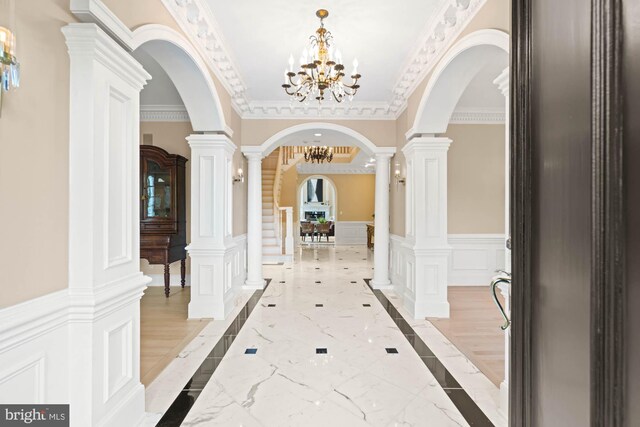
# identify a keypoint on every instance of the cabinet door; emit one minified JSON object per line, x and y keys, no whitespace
{"x":157,"y":187}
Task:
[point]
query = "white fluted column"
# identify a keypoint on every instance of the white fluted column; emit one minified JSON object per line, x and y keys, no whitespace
{"x":254,"y":221}
{"x":211,"y":245}
{"x":381,"y":242}
{"x":426,"y":204}
{"x":502,"y":81}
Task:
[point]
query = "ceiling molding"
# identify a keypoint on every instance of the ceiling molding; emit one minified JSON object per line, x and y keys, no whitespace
{"x":440,"y":34}
{"x":163,"y":113}
{"x":483,"y":117}
{"x":196,"y":19}
{"x":343,"y":111}
{"x":312,"y":169}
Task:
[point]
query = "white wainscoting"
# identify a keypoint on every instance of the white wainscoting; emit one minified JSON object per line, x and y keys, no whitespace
{"x":351,"y":232}
{"x":473,"y":261}
{"x":475,"y":258}
{"x":34,"y":359}
{"x":174,"y":279}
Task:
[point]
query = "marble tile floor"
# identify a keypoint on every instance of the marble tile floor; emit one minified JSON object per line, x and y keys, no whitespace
{"x":320,"y":302}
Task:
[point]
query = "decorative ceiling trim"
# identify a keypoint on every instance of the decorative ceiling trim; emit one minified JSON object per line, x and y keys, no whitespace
{"x":344,"y":111}
{"x":441,"y":32}
{"x":483,"y":117}
{"x":196,"y":19}
{"x":163,"y":113}
{"x":312,"y":169}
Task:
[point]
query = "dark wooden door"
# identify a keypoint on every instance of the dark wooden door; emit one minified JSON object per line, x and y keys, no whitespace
{"x":568,"y":218}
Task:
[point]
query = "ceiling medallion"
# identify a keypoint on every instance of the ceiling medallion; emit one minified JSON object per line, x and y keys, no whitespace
{"x":321,"y":70}
{"x":318,"y":155}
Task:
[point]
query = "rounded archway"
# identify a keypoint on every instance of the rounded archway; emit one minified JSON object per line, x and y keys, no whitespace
{"x":332,"y":134}
{"x":323,"y":196}
{"x":187,"y":71}
{"x":452,"y":76}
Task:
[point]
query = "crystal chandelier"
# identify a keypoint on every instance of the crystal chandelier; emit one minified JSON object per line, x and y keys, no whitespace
{"x":318,"y":155}
{"x":320,"y":70}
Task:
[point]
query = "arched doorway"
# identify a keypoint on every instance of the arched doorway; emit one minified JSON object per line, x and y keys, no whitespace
{"x":317,"y":200}
{"x":427,"y":153}
{"x":330,"y":133}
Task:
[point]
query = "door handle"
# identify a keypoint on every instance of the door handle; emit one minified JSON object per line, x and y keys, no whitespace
{"x":503,"y":278}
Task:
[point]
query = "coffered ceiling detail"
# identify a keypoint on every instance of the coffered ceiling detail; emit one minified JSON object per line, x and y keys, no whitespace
{"x":445,"y":21}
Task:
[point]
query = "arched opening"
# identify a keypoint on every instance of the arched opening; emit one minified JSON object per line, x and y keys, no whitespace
{"x":317,"y":203}
{"x":178,"y":101}
{"x":452,"y":76}
{"x":355,"y":156}
{"x":464,"y":108}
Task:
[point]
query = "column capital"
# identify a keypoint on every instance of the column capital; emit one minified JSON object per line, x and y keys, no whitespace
{"x":385,"y":152}
{"x":252,"y":152}
{"x":502,"y":81}
{"x":425,"y":144}
{"x":211,"y":140}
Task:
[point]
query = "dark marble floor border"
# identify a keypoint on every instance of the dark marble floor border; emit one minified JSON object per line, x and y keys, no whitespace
{"x":192,"y":389}
{"x":460,"y":398}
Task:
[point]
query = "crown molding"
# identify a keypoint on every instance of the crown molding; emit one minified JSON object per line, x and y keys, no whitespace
{"x":333,"y":111}
{"x":163,"y":113}
{"x":196,"y":19}
{"x":312,"y":169}
{"x":483,"y":117}
{"x":440,"y":34}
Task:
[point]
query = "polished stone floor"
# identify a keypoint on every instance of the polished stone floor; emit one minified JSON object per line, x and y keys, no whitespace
{"x":320,"y":349}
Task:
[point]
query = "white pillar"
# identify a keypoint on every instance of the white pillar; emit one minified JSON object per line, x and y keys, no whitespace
{"x":254,"y":221}
{"x":105,"y":282}
{"x":381,"y":242}
{"x":502,"y":81}
{"x":211,"y":246}
{"x":426,"y":203}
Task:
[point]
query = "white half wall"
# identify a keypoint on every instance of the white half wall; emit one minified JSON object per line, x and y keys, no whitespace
{"x":351,"y":232}
{"x":474,"y":259}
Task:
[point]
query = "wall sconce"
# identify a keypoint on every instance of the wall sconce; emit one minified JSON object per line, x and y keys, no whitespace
{"x":398,"y":179}
{"x":9,"y":65}
{"x":239,"y":177}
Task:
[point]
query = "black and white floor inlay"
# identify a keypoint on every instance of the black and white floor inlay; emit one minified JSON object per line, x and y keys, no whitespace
{"x":353,"y":363}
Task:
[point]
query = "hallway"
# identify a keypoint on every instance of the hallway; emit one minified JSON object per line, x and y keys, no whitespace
{"x":321,"y":303}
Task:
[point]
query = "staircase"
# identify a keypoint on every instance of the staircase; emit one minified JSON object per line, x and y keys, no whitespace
{"x":271,"y":245}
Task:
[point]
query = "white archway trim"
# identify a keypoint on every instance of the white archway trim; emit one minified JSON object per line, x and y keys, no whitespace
{"x":205,"y":109}
{"x":206,"y":112}
{"x":360,"y":140}
{"x":431,"y":118}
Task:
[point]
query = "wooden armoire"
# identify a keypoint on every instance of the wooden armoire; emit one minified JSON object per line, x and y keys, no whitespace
{"x":163,"y":225}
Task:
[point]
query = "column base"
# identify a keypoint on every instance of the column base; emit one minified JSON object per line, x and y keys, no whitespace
{"x":381,"y":284}
{"x":254,"y":285}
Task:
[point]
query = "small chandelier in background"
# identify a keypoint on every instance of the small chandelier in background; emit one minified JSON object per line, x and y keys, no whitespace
{"x":9,"y":65}
{"x":318,"y":155}
{"x":323,"y":72}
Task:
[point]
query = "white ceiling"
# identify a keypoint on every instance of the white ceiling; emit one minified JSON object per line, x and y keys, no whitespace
{"x":382,"y":34}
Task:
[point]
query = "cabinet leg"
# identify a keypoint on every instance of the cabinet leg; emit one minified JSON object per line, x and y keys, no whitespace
{"x":183,"y":271}
{"x":167,"y":278}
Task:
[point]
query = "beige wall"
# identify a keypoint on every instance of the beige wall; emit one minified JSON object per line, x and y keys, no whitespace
{"x":476,"y":179}
{"x":355,"y":198}
{"x":381,"y":132}
{"x":34,"y":139}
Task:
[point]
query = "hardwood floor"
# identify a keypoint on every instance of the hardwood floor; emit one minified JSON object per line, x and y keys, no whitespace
{"x":474,"y":328}
{"x":164,"y":329}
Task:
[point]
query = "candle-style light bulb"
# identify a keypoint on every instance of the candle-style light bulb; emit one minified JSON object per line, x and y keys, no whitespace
{"x":286,"y":77}
{"x":291,"y":62}
{"x":355,"y":67}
